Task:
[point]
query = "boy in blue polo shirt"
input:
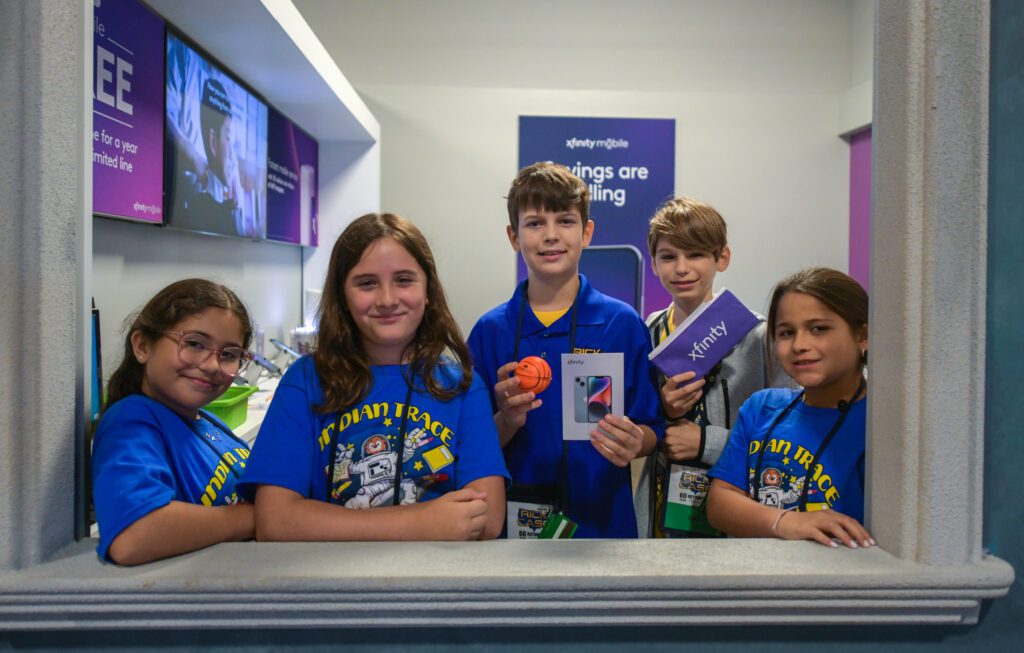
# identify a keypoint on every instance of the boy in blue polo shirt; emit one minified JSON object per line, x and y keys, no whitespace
{"x":556,"y":311}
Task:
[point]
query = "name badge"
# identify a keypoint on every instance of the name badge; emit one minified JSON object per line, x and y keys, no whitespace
{"x":525,"y":519}
{"x":686,"y":494}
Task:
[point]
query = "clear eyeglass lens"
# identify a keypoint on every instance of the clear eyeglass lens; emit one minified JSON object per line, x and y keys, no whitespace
{"x":195,"y":349}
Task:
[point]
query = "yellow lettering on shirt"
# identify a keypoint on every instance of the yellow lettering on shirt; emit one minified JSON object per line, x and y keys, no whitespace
{"x":446,"y":435}
{"x":220,"y":474}
{"x":777,"y":446}
{"x":382,"y":412}
{"x":803,"y":457}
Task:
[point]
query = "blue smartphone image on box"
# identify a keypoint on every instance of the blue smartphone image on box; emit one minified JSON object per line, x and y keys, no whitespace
{"x":580,"y":399}
{"x":599,"y":397}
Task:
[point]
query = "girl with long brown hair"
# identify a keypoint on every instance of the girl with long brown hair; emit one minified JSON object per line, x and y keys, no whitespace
{"x":386,"y":414}
{"x":794,"y":464}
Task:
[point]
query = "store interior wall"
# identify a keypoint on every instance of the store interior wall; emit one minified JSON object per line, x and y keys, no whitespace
{"x":756,"y":90}
{"x":855,"y":106}
{"x":759,"y":95}
{"x":131,"y":262}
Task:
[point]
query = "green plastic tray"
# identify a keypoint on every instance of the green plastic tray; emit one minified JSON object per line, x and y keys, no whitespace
{"x":232,"y":406}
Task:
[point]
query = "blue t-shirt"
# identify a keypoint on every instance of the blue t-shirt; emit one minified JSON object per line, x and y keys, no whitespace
{"x":447,"y":444}
{"x":836,"y":480}
{"x":145,"y":455}
{"x":600,"y":495}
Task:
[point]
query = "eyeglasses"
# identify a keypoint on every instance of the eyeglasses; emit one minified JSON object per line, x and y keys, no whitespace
{"x":196,"y":349}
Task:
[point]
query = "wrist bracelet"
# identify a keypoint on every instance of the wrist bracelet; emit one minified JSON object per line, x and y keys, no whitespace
{"x":775,"y":526}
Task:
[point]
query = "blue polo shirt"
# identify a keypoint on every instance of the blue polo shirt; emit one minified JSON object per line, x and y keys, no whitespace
{"x":599,"y":493}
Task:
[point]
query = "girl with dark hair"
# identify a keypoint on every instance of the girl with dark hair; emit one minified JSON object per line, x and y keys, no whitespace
{"x":794,"y":464}
{"x":163,"y":470}
{"x":385,"y":414}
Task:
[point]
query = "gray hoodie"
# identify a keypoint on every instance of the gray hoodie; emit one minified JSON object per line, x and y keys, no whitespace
{"x":744,"y":371}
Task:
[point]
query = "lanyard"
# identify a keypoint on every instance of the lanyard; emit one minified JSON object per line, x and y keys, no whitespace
{"x":563,"y":463}
{"x":396,"y":498}
{"x":217,"y":454}
{"x":844,"y":410}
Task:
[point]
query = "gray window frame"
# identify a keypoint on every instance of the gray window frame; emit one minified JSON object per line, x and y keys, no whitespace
{"x":925,"y":432}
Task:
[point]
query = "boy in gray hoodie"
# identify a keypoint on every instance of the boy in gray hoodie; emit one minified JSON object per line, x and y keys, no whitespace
{"x":688,"y":246}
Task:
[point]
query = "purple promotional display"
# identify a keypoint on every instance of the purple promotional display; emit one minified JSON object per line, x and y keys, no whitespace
{"x":127,"y":107}
{"x":216,"y":138}
{"x":705,"y":338}
{"x":629,"y":166}
{"x":860,"y":208}
{"x":292,"y":161}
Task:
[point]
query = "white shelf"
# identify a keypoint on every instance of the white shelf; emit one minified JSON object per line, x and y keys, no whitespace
{"x":271,"y":48}
{"x":259,"y":402}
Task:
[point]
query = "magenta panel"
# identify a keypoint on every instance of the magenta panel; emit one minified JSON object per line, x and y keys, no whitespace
{"x":860,"y":207}
{"x":128,"y":111}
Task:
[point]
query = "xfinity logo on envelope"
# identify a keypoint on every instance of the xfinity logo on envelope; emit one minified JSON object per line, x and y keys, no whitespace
{"x":704,"y":344}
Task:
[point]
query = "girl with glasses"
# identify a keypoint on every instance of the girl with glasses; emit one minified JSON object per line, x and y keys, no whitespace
{"x":163,"y":470}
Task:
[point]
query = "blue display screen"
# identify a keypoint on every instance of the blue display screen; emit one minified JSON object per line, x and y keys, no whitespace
{"x":615,"y":270}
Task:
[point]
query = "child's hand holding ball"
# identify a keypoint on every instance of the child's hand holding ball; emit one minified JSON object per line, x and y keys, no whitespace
{"x":534,"y":374}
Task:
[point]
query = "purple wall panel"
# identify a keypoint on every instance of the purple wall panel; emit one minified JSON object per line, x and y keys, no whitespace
{"x":128,"y":111}
{"x":291,"y":183}
{"x":860,"y":208}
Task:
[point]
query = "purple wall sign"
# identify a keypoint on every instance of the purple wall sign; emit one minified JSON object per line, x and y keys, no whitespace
{"x":292,"y":162}
{"x":860,"y":208}
{"x":128,"y":111}
{"x":629,"y":165}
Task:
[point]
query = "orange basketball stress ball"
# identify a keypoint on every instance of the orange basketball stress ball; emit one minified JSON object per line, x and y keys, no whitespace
{"x":534,"y":374}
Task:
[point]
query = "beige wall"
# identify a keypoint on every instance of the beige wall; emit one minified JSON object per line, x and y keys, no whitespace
{"x":755,"y":89}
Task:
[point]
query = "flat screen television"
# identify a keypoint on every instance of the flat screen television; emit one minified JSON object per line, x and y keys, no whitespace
{"x":215,"y":146}
{"x":292,"y":167}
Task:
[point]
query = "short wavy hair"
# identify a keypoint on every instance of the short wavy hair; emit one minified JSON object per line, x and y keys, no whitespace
{"x":547,"y":186}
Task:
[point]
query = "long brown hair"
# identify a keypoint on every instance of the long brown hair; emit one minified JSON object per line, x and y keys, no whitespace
{"x":836,"y":290}
{"x":340,"y":358}
{"x":168,"y":307}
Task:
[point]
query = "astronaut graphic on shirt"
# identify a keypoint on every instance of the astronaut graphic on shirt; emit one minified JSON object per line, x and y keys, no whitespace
{"x":786,"y":453}
{"x":375,"y":471}
{"x":772,"y":494}
{"x":354,"y":454}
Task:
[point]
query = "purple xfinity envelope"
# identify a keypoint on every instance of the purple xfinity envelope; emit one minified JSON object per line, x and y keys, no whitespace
{"x":704,"y":338}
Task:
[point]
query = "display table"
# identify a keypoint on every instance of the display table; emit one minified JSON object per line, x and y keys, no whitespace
{"x":259,"y":402}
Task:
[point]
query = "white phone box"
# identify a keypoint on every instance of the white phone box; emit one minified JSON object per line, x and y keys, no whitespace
{"x":592,"y":387}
